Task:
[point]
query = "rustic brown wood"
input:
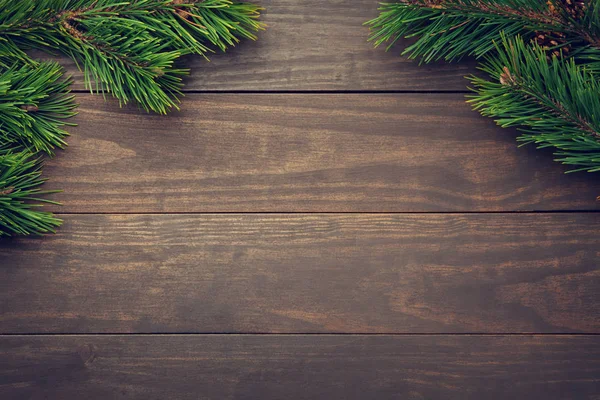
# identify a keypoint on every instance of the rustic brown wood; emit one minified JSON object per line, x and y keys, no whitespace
{"x":441,"y":276}
{"x":307,"y":153}
{"x":306,"y":274}
{"x":300,"y":367}
{"x":314,"y":45}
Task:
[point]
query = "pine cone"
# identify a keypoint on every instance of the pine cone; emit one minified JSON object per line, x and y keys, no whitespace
{"x":574,"y":8}
{"x":553,"y":43}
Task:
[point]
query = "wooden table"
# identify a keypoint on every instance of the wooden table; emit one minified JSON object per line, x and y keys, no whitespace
{"x":321,"y":220}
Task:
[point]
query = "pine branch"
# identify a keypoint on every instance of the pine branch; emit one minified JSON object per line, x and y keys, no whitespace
{"x":34,"y":101}
{"x":129,"y":48}
{"x":198,"y":27}
{"x":19,"y":201}
{"x":555,"y":104}
{"x":452,"y":29}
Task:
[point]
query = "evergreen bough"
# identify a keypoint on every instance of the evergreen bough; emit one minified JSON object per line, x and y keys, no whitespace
{"x":541,"y":58}
{"x":126,"y":49}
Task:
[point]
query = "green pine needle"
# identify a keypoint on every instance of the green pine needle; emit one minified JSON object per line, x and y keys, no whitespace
{"x":452,"y":29}
{"x":126,"y":48}
{"x":19,"y":201}
{"x":555,"y":104}
{"x":551,"y":93}
{"x":34,"y":101}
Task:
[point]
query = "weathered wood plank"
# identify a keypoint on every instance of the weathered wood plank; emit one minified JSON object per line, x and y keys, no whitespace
{"x":299,"y":367}
{"x":314,"y":45}
{"x":307,"y":153}
{"x":374,"y":273}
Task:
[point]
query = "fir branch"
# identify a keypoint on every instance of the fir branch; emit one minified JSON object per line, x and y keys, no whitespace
{"x":200,"y":26}
{"x":452,"y":29}
{"x":129,"y":48}
{"x":19,"y":202}
{"x":34,"y":102}
{"x":555,"y":104}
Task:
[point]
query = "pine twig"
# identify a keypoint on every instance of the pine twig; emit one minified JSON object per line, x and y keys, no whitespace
{"x":452,"y":29}
{"x":19,"y":197}
{"x":128,"y":48}
{"x":555,"y":104}
{"x":34,"y":102}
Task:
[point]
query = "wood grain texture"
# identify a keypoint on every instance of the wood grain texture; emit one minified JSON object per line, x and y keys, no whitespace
{"x":314,"y":45}
{"x":155,"y":269}
{"x":300,"y":367}
{"x":306,"y":274}
{"x":307,"y":153}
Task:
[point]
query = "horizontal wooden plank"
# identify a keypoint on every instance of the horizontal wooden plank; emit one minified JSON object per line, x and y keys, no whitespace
{"x":306,"y":274}
{"x":299,"y":367}
{"x":314,"y":45}
{"x":307,"y":153}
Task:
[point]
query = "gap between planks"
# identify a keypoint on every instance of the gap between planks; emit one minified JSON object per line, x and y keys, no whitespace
{"x":267,"y":92}
{"x":428,"y":213}
{"x":232,"y":334}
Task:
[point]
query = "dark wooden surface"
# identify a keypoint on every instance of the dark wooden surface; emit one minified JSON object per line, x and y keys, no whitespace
{"x":307,"y":153}
{"x":365,"y":273}
{"x":269,"y":243}
{"x":223,"y":367}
